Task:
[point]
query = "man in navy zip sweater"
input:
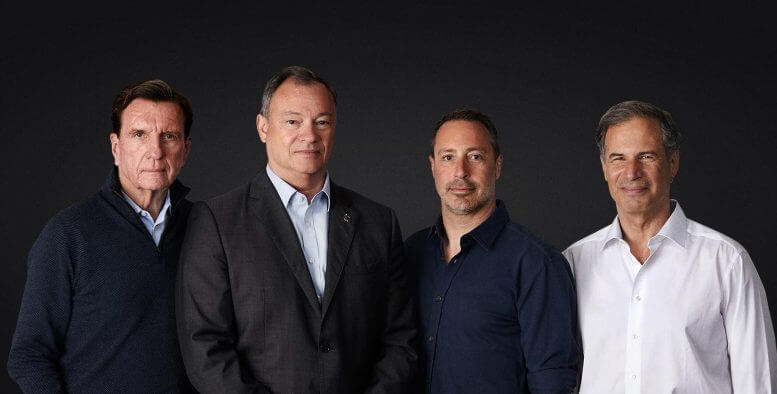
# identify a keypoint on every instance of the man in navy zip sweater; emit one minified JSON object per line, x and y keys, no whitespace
{"x":97,"y":313}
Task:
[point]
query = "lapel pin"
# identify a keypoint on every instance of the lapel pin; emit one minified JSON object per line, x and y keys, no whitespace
{"x":347,"y":218}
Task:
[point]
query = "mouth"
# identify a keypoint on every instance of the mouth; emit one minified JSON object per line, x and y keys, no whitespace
{"x":307,"y":152}
{"x":634,"y":190}
{"x":461,"y":189}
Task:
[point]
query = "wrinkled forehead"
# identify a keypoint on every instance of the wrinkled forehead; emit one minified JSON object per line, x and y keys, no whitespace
{"x":296,"y":94}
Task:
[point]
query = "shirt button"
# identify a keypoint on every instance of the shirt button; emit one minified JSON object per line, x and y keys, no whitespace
{"x":633,"y":377}
{"x":325,"y":348}
{"x":438,"y":299}
{"x":634,"y":337}
{"x":430,"y":338}
{"x":637,"y":298}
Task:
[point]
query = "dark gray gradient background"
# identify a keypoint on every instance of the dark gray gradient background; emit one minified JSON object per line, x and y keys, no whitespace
{"x":544,"y":73}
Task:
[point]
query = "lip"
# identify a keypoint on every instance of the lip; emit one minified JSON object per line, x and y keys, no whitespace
{"x":634,"y":190}
{"x":307,"y":152}
{"x":461,"y":190}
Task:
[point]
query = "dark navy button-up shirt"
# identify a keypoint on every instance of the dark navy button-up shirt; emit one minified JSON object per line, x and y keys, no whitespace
{"x":500,"y":317}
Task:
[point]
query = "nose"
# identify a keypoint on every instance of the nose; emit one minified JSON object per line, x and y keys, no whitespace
{"x":154,"y":148}
{"x":461,"y":171}
{"x":307,"y":132}
{"x":633,"y":169}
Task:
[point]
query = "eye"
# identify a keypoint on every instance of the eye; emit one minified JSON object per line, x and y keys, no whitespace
{"x":170,"y":136}
{"x":137,"y":133}
{"x":476,"y":156}
{"x":323,"y":123}
{"x":291,"y":122}
{"x":647,"y":156}
{"x":446,"y":157}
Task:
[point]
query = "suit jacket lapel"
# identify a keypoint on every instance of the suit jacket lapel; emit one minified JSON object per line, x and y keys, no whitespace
{"x":269,"y":209}
{"x":342,"y":225}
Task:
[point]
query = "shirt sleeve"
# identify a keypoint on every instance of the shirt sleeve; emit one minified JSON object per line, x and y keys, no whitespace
{"x":547,"y":313}
{"x":33,"y":361}
{"x":749,"y":331}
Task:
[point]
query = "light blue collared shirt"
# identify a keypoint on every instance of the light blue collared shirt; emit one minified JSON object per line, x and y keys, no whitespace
{"x":155,"y":228}
{"x":311,"y":222}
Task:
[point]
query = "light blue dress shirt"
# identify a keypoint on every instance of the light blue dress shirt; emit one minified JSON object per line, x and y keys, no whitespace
{"x":311,"y":222}
{"x":155,"y":227}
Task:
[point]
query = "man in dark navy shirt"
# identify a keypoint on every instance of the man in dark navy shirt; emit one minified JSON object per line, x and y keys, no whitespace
{"x":497,"y":305}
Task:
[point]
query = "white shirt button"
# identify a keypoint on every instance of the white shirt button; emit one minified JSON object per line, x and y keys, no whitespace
{"x":637,"y":298}
{"x":634,"y":336}
{"x":633,"y":377}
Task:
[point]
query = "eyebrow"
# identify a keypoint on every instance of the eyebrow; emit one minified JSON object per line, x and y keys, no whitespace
{"x":300,"y":114}
{"x":647,"y":152}
{"x":467,"y":150}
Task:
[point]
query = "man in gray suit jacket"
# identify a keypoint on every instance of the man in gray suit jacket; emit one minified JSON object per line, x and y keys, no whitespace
{"x":292,"y":283}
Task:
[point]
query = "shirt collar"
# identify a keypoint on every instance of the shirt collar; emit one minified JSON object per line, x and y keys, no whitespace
{"x":486,"y":233}
{"x":286,"y":191}
{"x":675,"y":227}
{"x":162,"y":212}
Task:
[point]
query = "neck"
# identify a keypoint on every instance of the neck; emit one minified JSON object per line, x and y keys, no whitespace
{"x":307,"y":184}
{"x":456,"y":225}
{"x":638,"y":228}
{"x":150,"y":201}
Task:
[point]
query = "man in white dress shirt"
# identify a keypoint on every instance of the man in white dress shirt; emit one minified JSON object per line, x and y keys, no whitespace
{"x":666,"y":305}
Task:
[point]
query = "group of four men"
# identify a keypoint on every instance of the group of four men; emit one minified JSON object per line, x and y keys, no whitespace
{"x":292,"y":283}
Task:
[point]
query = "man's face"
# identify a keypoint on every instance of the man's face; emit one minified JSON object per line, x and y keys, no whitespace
{"x":636,"y":167}
{"x":150,"y":149}
{"x":464,"y":167}
{"x":299,"y":129}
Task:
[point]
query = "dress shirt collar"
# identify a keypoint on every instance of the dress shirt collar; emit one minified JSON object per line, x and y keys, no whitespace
{"x":162,"y":212}
{"x":674,"y":229}
{"x":486,"y":233}
{"x":286,"y":191}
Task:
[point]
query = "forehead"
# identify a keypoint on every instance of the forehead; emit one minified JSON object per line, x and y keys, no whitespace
{"x":462,"y":134}
{"x":635,"y":134}
{"x":146,"y":111}
{"x":293,"y":95}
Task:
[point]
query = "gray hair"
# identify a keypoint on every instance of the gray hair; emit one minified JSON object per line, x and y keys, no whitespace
{"x":301,"y":75}
{"x":625,"y":111}
{"x":471,"y":115}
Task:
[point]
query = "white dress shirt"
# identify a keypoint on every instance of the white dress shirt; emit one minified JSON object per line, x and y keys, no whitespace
{"x":692,"y":319}
{"x":311,"y":222}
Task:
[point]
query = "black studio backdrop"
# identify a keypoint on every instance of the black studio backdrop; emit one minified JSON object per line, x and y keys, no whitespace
{"x":545,"y":74}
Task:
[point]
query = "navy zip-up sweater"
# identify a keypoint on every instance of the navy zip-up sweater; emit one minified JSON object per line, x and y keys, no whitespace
{"x":97,"y":313}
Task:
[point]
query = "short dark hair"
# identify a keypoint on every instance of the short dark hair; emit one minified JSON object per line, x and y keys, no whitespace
{"x":155,"y":90}
{"x":472,"y":115}
{"x":625,"y":111}
{"x":300,"y":74}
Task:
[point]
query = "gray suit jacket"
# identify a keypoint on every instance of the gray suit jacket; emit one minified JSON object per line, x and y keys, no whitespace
{"x":248,"y":316}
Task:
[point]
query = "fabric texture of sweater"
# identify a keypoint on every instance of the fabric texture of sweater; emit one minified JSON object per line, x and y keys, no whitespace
{"x":97,"y":314}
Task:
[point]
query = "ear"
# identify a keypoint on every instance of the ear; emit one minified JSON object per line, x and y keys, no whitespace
{"x":498,"y":166}
{"x":261,"y":126}
{"x":431,"y":164}
{"x":674,"y":163}
{"x":114,"y":138}
{"x":604,"y":171}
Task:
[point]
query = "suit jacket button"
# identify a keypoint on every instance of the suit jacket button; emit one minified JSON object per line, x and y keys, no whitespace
{"x":325,"y":347}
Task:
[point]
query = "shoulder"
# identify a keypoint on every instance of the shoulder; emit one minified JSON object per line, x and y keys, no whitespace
{"x":417,"y":240}
{"x":587,"y":243}
{"x":727,"y":252}
{"x":527,"y":245}
{"x":705,"y":234}
{"x":365,"y":206}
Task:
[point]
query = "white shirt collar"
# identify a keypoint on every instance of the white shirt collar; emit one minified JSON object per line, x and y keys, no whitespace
{"x":286,"y":191}
{"x":675,"y":228}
